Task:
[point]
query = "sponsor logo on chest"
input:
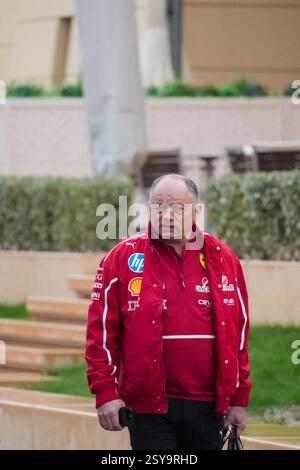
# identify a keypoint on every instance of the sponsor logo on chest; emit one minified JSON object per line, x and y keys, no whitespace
{"x":135,"y":285}
{"x":134,"y":304}
{"x":225,"y":286}
{"x":136,"y":262}
{"x":204,"y":287}
{"x":205,"y":302}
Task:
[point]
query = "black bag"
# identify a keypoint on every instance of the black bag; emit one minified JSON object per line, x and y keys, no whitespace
{"x":230,"y":434}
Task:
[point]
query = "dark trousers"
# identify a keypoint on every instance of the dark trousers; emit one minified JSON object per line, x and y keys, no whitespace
{"x":188,"y":425}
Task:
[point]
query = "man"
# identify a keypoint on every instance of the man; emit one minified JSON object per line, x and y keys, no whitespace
{"x":167,"y":330}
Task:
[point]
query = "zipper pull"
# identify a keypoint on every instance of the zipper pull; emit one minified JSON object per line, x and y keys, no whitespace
{"x":182,"y":280}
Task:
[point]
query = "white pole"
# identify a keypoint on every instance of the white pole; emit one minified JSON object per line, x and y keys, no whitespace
{"x":113,"y":89}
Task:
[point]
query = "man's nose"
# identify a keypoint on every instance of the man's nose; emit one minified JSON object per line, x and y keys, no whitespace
{"x":168,"y":213}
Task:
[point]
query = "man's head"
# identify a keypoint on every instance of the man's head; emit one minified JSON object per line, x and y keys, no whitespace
{"x":173,"y":206}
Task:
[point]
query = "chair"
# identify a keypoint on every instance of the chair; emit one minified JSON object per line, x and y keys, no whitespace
{"x":159,"y":162}
{"x":265,"y":156}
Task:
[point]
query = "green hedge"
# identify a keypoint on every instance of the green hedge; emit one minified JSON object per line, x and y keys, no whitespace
{"x":35,"y":90}
{"x":56,"y":214}
{"x":175,"y":88}
{"x":240,"y":87}
{"x":257,"y":214}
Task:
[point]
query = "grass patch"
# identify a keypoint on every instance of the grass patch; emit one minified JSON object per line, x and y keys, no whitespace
{"x":275,"y":379}
{"x":14,"y":312}
{"x":70,"y":381}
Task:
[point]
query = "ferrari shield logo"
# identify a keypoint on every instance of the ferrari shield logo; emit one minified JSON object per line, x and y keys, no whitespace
{"x":202,"y":260}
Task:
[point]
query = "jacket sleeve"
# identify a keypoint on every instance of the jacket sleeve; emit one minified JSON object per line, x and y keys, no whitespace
{"x":103,"y":334}
{"x":243,"y":386}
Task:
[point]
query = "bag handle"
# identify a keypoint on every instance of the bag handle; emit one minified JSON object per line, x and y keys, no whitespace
{"x":231,"y":435}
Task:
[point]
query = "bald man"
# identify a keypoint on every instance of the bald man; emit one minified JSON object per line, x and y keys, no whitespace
{"x":167,"y":330}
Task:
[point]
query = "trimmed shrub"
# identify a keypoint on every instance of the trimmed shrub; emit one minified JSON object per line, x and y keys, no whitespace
{"x":56,"y":214}
{"x":257,"y":214}
{"x":178,"y":88}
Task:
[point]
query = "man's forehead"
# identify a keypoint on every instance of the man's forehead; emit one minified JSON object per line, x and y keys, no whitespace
{"x":171,"y":190}
{"x":171,"y":200}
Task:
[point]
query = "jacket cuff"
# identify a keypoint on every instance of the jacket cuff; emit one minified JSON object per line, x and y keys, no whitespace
{"x":106,"y":392}
{"x":241,"y":397}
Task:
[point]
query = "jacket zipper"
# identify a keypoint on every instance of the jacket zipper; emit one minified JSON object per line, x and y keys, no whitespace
{"x":161,"y":328}
{"x":178,"y":268}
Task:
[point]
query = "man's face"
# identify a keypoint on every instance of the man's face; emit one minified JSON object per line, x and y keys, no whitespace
{"x":172,"y":210}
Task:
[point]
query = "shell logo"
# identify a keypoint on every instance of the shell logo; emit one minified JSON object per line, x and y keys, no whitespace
{"x":135,"y":285}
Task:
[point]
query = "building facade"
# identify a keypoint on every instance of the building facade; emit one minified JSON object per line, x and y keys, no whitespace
{"x":220,"y":41}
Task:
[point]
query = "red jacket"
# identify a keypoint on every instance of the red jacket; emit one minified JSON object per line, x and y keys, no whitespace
{"x":188,"y":331}
{"x":124,"y":328}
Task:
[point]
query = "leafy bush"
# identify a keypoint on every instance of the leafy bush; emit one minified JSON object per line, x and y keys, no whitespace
{"x":241,"y":87}
{"x":74,"y":90}
{"x":14,"y":89}
{"x":55,"y":214}
{"x":208,"y":90}
{"x":257,"y":214}
{"x":290,"y":90}
{"x":33,"y":90}
{"x":177,"y":87}
{"x":246,"y":87}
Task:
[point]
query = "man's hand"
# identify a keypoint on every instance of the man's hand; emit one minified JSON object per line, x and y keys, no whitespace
{"x":237,"y":415}
{"x":108,"y":415}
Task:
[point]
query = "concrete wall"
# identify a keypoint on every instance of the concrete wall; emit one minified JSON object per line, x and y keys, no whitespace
{"x":273,"y":286}
{"x":62,"y":422}
{"x":44,"y":137}
{"x":50,"y":428}
{"x":49,"y":137}
{"x":41,"y":273}
{"x":40,"y":427}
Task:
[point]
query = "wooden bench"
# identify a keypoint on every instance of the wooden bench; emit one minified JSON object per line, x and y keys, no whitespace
{"x":265,"y":156}
{"x":155,"y":163}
